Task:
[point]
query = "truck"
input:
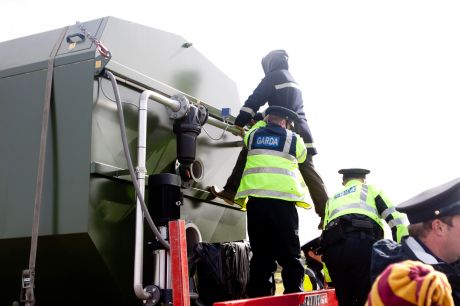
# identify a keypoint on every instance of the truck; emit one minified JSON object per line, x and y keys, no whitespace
{"x":74,"y":102}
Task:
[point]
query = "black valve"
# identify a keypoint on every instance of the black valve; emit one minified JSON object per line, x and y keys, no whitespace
{"x":187,"y":130}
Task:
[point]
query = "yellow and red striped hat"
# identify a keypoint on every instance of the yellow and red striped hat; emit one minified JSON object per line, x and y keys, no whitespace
{"x":410,"y":283}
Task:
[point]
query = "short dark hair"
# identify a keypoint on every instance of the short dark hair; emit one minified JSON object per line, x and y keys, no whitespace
{"x":420,"y":230}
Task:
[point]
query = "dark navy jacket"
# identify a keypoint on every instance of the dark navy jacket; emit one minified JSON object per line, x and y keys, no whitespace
{"x":278,"y":88}
{"x":386,"y":252}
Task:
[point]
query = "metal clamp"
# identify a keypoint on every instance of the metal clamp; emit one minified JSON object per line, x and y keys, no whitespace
{"x":140,"y":172}
{"x":27,"y":287}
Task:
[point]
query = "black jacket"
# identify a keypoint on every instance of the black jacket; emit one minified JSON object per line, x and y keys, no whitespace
{"x":278,"y":88}
{"x":386,"y":252}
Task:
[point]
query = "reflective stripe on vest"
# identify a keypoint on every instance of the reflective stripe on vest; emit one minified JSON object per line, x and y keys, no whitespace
{"x":388,"y":212}
{"x":302,"y":155}
{"x":285,"y":85}
{"x":354,"y":205}
{"x":271,"y":152}
{"x":288,"y":142}
{"x":250,"y":140}
{"x":269,"y":194}
{"x":395,"y":222}
{"x":361,"y":205}
{"x":270,"y":170}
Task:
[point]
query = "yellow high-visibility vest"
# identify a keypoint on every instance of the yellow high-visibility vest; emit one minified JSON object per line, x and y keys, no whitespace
{"x":273,"y":173}
{"x":359,"y":198}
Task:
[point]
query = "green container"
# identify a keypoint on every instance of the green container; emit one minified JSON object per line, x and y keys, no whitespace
{"x":86,"y":235}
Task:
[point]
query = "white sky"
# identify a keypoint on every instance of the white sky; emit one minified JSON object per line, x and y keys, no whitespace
{"x":380,"y":79}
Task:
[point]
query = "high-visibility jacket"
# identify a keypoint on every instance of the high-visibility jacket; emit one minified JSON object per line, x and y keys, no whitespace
{"x":311,"y":281}
{"x":359,"y":198}
{"x":327,"y":277}
{"x":271,"y":169}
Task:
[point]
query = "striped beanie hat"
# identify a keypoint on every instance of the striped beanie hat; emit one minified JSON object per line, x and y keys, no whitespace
{"x":410,"y":283}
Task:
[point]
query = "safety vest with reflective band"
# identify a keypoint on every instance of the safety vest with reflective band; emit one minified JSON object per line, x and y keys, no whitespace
{"x":360,"y":198}
{"x":327,"y":277}
{"x":271,"y":169}
{"x":311,"y":281}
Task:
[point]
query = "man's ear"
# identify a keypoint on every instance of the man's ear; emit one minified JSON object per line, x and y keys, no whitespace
{"x":438,"y":227}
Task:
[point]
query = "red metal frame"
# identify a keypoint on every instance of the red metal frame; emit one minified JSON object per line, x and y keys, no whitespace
{"x":311,"y":298}
{"x":179,"y":264}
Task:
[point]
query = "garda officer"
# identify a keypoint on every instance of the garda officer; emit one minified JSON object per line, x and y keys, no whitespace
{"x":277,"y":88}
{"x":353,"y":222}
{"x":272,"y":185}
{"x":434,"y":232}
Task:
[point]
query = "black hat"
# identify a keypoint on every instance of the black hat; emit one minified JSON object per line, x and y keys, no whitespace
{"x":354,"y":173}
{"x":312,"y":245}
{"x":282,"y":112}
{"x":436,"y":202}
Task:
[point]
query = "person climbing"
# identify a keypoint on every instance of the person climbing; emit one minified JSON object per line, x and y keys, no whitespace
{"x":277,"y":88}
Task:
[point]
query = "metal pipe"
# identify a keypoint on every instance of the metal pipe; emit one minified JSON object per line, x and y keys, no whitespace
{"x":156,"y":277}
{"x":169,"y":271}
{"x":163,"y":269}
{"x":140,"y":171}
{"x":224,"y":125}
{"x":163,"y":261}
{"x":172,"y":104}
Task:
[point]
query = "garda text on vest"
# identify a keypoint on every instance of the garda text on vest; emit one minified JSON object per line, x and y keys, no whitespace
{"x":268,"y":141}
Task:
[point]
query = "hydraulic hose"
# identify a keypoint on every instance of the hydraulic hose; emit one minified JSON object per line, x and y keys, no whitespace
{"x":147,"y":216}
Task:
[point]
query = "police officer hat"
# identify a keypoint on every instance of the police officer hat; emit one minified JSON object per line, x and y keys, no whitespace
{"x":436,"y":202}
{"x":282,"y":112}
{"x":354,"y":173}
{"x":312,"y":245}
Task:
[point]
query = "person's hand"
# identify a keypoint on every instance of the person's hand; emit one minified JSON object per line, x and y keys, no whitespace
{"x":251,"y":123}
{"x":240,"y":131}
{"x":258,"y":116}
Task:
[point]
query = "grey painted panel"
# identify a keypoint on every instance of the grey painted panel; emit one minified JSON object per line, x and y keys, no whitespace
{"x":21,"y":102}
{"x":66,"y":181}
{"x":27,"y":53}
{"x":72,"y":141}
{"x":142,"y":51}
{"x":31,"y":53}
